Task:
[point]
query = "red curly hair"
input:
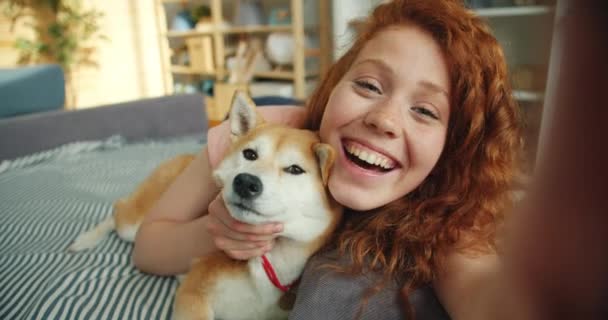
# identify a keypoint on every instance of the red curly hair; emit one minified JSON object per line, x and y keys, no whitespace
{"x":462,"y":202}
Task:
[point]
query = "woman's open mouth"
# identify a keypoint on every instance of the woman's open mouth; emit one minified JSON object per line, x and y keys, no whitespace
{"x":367,"y":159}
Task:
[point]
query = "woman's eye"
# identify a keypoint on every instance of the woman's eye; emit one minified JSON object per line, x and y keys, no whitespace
{"x":294,"y":169}
{"x":366,"y":85}
{"x":425,"y":112}
{"x":250,"y":154}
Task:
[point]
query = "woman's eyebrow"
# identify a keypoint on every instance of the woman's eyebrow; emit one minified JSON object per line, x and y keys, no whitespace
{"x":435,"y":88}
{"x":377,"y":63}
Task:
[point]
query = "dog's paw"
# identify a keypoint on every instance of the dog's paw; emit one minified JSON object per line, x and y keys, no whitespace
{"x":84,"y":241}
{"x":92,"y":237}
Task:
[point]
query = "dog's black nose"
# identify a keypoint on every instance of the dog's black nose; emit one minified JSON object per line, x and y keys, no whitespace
{"x":247,"y":186}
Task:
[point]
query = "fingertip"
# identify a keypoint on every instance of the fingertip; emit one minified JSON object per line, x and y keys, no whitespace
{"x":256,"y":245}
{"x":236,"y":254}
{"x":219,"y":243}
{"x":260,"y":244}
{"x":277,"y":227}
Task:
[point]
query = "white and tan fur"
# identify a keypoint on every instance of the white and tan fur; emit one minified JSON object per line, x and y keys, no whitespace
{"x":129,"y":212}
{"x":218,"y":286}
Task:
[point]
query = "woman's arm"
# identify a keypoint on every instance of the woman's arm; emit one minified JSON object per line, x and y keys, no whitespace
{"x":173,"y":232}
{"x":476,"y":287}
{"x":555,"y":259}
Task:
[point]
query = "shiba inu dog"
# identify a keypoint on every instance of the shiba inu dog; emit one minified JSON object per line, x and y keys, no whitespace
{"x":270,"y":173}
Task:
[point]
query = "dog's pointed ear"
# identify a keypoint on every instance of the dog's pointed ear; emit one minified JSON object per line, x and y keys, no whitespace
{"x":325,"y":156}
{"x":243,"y":115}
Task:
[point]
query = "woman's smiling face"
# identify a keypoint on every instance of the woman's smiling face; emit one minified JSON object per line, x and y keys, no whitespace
{"x":387,"y":118}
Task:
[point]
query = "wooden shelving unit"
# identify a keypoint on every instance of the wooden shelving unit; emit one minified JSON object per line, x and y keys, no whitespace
{"x":230,"y":30}
{"x":279,"y":75}
{"x":518,"y":30}
{"x":524,"y":33}
{"x":514,"y":11}
{"x":528,"y":96}
{"x":298,"y":74}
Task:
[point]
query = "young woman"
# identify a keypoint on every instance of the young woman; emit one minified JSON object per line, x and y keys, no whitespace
{"x":421,"y":114}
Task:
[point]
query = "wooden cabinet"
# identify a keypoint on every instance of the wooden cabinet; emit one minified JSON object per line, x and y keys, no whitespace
{"x":221,"y":33}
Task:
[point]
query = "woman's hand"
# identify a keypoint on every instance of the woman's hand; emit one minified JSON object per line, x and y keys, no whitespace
{"x":239,"y":240}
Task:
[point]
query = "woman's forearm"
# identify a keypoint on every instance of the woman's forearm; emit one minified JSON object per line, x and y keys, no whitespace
{"x":167,"y":248}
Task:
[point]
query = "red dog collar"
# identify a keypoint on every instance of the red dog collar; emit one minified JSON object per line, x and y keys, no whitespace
{"x":273,"y":276}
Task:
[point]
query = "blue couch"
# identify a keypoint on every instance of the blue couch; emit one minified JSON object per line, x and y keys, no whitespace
{"x":31,"y":89}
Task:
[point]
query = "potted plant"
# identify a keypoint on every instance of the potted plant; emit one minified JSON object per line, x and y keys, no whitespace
{"x":65,"y":33}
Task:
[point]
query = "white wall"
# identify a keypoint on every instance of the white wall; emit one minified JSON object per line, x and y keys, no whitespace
{"x":129,"y":64}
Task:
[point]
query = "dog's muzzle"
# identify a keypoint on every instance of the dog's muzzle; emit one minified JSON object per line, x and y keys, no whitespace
{"x":247,"y":186}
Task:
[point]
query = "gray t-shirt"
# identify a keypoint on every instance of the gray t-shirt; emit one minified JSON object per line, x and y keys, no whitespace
{"x":324,"y":294}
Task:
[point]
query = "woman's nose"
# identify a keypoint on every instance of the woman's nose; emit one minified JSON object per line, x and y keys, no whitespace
{"x":384,"y":121}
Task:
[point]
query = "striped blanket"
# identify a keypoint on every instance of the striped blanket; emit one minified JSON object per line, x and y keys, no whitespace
{"x":46,"y":200}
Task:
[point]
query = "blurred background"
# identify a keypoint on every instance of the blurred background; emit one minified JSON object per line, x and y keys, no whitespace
{"x":114,"y":50}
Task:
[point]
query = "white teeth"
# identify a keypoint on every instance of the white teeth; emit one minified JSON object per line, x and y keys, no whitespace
{"x":384,"y":163}
{"x":378,"y":161}
{"x":370,"y":157}
{"x":364,"y":156}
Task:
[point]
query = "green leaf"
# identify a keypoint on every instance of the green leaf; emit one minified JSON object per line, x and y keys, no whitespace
{"x":67,"y":40}
{"x":44,"y":48}
{"x":55,"y":30}
{"x":23,"y":44}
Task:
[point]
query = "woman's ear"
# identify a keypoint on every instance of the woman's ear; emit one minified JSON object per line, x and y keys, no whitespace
{"x":243,"y":115}
{"x":325,"y":157}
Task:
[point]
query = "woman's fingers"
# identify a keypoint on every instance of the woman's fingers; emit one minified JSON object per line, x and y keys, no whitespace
{"x":237,"y":239}
{"x":264,"y":229}
{"x":246,"y":254}
{"x":238,"y":230}
{"x":218,"y":228}
{"x":226,"y":244}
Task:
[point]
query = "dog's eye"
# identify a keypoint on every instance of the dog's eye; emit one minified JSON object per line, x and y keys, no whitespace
{"x":294,"y":169}
{"x":250,"y":154}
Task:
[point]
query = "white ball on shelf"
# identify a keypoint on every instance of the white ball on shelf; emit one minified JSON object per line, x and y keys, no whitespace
{"x":279,"y":48}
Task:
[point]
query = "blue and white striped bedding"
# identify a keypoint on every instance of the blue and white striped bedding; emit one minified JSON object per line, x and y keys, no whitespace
{"x":46,"y":200}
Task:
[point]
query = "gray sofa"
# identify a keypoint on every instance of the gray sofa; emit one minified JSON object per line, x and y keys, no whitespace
{"x":143,"y":119}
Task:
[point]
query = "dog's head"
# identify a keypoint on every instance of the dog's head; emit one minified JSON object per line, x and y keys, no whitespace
{"x":275,"y":173}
